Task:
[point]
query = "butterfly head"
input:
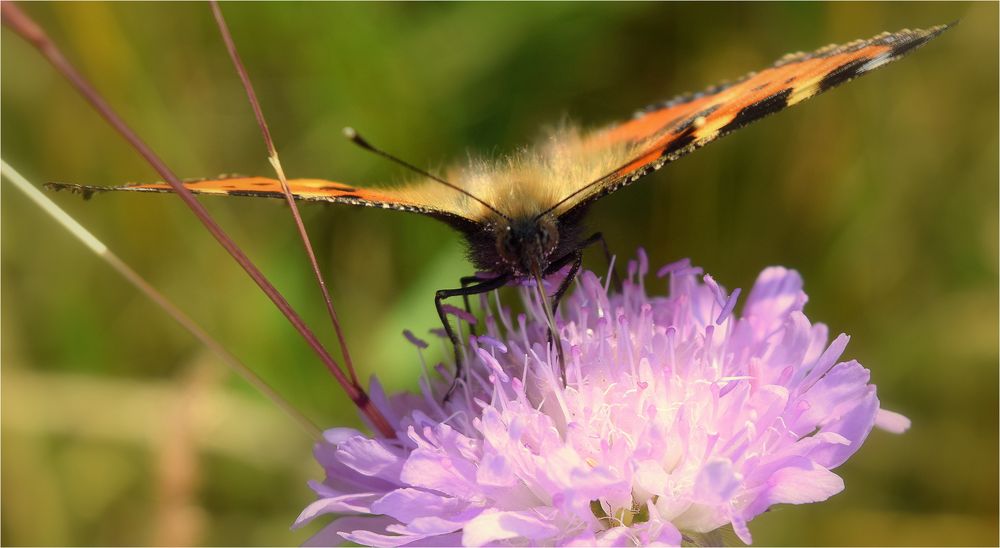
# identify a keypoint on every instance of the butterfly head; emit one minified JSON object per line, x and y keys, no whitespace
{"x":526,"y":245}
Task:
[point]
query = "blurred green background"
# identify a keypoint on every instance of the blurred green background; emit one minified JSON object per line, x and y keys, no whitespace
{"x":119,"y":428}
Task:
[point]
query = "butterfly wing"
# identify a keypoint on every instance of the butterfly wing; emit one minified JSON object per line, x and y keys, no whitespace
{"x":664,"y":132}
{"x":315,"y":190}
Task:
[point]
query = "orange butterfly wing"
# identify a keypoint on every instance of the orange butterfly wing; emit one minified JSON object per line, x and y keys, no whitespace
{"x":317,"y":190}
{"x":663,"y":133}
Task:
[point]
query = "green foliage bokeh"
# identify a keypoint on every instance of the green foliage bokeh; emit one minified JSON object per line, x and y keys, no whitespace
{"x":118,"y":428}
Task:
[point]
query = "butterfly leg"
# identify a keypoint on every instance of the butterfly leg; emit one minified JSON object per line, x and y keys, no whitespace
{"x":576,"y":258}
{"x":483,"y":286}
{"x":466,"y":281}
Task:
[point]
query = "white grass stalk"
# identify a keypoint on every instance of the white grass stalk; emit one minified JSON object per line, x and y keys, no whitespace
{"x":102,"y":251}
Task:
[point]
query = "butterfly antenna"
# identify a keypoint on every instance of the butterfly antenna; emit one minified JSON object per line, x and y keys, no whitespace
{"x":357,"y":139}
{"x":596,"y":181}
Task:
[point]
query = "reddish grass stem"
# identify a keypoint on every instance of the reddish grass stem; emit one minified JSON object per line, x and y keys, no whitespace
{"x":273,"y":157}
{"x":19,"y":22}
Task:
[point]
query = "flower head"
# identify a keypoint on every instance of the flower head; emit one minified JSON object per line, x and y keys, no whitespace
{"x":678,"y":417}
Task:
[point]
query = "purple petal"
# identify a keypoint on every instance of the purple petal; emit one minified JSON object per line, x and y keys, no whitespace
{"x":798,"y":481}
{"x":495,"y":471}
{"x":493,"y":526}
{"x":676,"y":266}
{"x":890,"y":421}
{"x":844,"y":403}
{"x":416,"y":341}
{"x":486,"y":340}
{"x":408,"y":504}
{"x":716,"y":483}
{"x":616,"y":536}
{"x":730,"y":304}
{"x":801,"y":486}
{"x":459,"y":313}
{"x":776,"y":293}
{"x":371,"y":458}
{"x":741,"y":530}
{"x":826,"y":360}
{"x":371,"y":538}
{"x":435,"y":471}
{"x":357,"y":502}
{"x":452,"y":539}
{"x":643,"y":259}
{"x":658,"y":533}
{"x":377,"y":394}
{"x":340,"y":478}
{"x":337,"y":435}
{"x":331,"y":534}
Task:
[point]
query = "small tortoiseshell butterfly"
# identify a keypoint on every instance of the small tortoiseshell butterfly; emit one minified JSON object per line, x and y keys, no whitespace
{"x":521,"y":216}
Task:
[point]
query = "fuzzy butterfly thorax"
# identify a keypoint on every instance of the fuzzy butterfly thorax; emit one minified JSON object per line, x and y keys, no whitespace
{"x":513,"y":218}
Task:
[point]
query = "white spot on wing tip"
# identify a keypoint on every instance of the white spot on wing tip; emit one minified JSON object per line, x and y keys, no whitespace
{"x":875,"y":62}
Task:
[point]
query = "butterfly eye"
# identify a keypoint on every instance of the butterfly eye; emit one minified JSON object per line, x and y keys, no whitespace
{"x":507,"y":246}
{"x":548,"y":235}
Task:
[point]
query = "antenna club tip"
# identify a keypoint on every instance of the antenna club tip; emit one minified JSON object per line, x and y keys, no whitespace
{"x":356,"y":138}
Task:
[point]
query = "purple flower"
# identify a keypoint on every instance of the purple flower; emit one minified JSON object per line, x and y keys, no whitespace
{"x":679,"y":418}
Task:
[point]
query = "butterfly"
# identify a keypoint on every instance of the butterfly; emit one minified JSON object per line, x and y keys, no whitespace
{"x":522,"y":215}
